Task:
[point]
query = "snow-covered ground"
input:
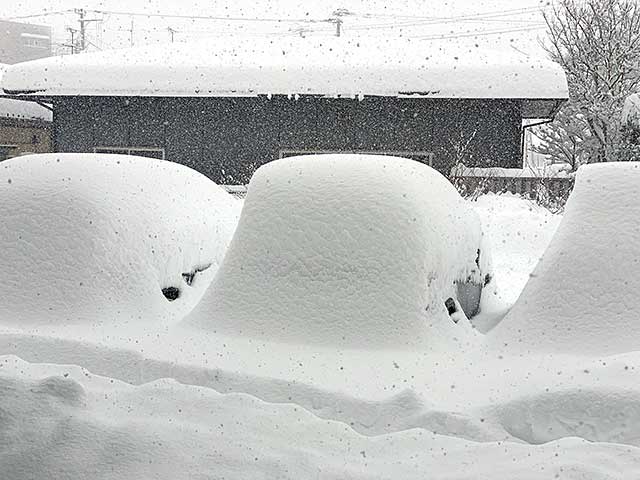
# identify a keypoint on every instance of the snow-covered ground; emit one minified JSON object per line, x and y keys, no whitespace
{"x":64,"y":422}
{"x":519,"y":231}
{"x":176,"y":400}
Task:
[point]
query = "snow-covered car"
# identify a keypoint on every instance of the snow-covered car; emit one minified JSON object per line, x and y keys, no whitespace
{"x":94,"y":239}
{"x":582,"y":297}
{"x":350,"y":250}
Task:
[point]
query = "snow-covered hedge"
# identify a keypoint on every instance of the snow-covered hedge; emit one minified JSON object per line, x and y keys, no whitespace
{"x":355,"y":250}
{"x":90,"y":238}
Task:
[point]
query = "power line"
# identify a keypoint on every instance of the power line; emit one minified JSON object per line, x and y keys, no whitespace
{"x":208,"y":17}
{"x":493,"y":14}
{"x":478,"y":33}
{"x":507,"y":16}
{"x":414,"y":21}
{"x":202,"y":33}
{"x":38,"y":15}
{"x":442,"y":22}
{"x":409,"y":24}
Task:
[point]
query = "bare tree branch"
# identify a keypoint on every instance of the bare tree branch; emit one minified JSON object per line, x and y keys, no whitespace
{"x":597,"y":42}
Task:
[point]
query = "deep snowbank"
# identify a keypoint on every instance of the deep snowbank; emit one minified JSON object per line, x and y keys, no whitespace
{"x":582,"y":297}
{"x":347,"y":250}
{"x":64,"y":422}
{"x":89,"y":238}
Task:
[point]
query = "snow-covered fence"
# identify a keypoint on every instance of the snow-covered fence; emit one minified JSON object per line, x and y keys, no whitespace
{"x":541,"y":189}
{"x":238,"y":191}
{"x":526,"y":186}
{"x":535,"y":188}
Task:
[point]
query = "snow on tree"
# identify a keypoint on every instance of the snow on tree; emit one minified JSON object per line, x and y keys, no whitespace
{"x":631,"y":110}
{"x":567,"y":140}
{"x":597,"y":42}
{"x":630,"y":130}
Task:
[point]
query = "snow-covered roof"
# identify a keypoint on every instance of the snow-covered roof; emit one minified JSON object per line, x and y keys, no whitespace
{"x":330,"y":66}
{"x":24,"y":110}
{"x":20,"y":109}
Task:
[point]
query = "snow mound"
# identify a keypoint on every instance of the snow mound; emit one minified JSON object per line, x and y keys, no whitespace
{"x":347,"y":250}
{"x":582,"y":298}
{"x":165,"y":430}
{"x":90,"y":238}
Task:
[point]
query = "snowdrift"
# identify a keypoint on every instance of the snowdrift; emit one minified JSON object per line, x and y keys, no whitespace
{"x":93,"y":239}
{"x":347,"y":250}
{"x":64,"y":422}
{"x":582,"y":297}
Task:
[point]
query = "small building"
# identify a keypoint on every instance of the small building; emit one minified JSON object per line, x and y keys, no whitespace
{"x":21,"y":42}
{"x":227,"y":107}
{"x":25,"y":127}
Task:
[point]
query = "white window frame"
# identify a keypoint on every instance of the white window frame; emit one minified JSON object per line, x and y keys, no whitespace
{"x":395,"y":153}
{"x":129,"y":150}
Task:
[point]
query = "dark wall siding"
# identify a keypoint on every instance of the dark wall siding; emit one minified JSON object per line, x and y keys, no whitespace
{"x":227,"y":138}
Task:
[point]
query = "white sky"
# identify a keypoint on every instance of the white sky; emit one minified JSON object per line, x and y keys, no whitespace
{"x":511,"y":24}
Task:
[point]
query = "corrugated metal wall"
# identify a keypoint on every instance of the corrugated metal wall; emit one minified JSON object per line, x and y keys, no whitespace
{"x":227,"y":138}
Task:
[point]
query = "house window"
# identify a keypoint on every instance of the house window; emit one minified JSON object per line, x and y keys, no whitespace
{"x":149,"y":152}
{"x":8,"y":151}
{"x":33,"y":40}
{"x":422,"y":157}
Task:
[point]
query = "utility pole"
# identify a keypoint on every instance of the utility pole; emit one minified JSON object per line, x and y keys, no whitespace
{"x":82,"y":13}
{"x":72,"y":31}
{"x":171,"y":32}
{"x":131,"y":36}
{"x":337,"y":19}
